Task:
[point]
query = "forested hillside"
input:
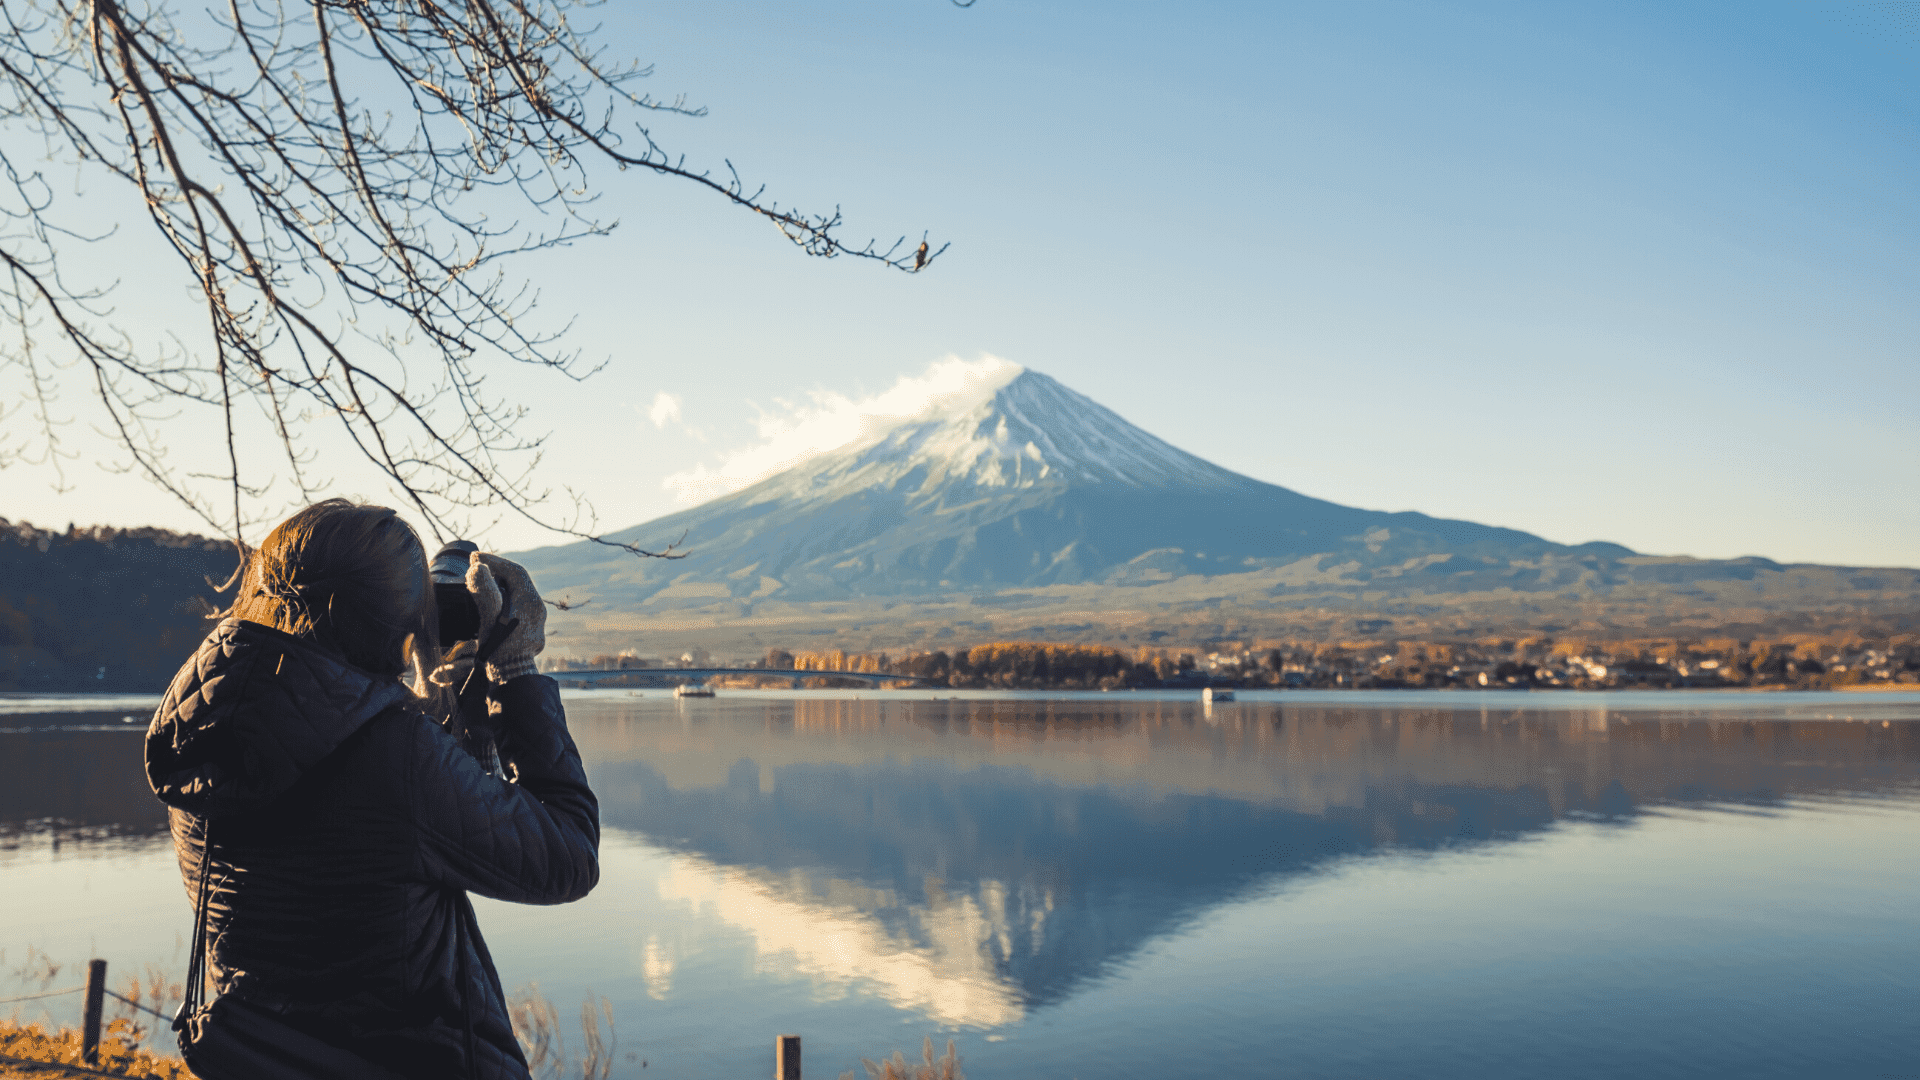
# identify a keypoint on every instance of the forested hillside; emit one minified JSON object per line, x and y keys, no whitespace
{"x":102,"y":609}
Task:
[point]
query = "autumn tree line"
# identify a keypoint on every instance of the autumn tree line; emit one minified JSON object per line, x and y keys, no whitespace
{"x":1539,"y":662}
{"x":1003,"y":665}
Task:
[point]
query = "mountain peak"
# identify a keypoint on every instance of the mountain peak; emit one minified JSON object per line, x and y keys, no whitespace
{"x":988,"y":474}
{"x":1008,"y":428}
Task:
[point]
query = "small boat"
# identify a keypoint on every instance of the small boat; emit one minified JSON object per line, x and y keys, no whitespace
{"x":693,"y":690}
{"x":1210,"y":695}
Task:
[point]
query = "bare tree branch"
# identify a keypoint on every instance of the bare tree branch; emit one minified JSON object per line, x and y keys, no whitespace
{"x":341,"y":184}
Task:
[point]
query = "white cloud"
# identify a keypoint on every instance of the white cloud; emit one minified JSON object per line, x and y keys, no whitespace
{"x":665,"y":407}
{"x":792,"y":432}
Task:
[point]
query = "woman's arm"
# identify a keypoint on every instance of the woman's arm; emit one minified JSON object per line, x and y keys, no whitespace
{"x":532,"y":841}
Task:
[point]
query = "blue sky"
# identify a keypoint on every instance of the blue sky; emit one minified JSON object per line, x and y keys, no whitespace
{"x":1636,"y":272}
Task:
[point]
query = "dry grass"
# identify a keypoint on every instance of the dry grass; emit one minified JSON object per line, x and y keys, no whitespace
{"x":898,"y":1067}
{"x":536,"y":1023}
{"x":157,"y":992}
{"x":35,"y":967}
{"x":120,"y":1054}
{"x":152,"y":989}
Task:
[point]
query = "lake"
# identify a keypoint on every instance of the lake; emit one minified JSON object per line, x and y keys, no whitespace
{"x":1135,"y":885}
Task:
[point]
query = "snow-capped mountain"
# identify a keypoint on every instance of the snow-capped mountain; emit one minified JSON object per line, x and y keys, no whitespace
{"x":1014,"y":481}
{"x":1015,"y":429}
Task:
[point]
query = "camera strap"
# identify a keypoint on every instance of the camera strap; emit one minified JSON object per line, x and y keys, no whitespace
{"x":471,"y":696}
{"x":495,"y":639}
{"x":501,"y":631}
{"x":194,"y":992}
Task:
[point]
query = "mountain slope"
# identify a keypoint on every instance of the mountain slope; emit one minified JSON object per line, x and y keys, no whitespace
{"x":1019,"y":482}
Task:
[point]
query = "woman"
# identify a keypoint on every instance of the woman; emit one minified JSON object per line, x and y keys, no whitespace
{"x":347,"y":823}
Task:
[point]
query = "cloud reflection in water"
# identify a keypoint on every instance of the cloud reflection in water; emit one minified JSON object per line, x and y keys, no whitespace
{"x":947,"y":968}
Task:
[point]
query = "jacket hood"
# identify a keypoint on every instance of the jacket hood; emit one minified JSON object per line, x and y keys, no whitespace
{"x":251,"y":712}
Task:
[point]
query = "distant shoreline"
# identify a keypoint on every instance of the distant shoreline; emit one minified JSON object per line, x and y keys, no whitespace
{"x":27,"y":703}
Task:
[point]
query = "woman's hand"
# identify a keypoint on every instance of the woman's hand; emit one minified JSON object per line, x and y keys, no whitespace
{"x":503,"y":591}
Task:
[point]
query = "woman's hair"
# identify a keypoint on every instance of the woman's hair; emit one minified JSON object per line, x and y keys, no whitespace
{"x":350,"y":578}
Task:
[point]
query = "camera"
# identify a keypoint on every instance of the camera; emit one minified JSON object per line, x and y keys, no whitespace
{"x":459,"y":615}
{"x":460,"y":621}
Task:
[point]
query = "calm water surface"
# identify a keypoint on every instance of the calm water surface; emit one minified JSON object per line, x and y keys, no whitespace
{"x":1126,"y":885}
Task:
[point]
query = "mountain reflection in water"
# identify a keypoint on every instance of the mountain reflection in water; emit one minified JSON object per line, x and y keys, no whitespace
{"x":1506,"y":885}
{"x":975,"y":859}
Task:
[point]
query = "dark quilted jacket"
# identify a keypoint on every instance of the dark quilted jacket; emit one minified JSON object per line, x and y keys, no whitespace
{"x":348,"y":829}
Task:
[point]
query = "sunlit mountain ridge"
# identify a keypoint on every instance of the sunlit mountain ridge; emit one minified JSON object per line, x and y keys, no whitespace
{"x":1021,"y":482}
{"x":1017,"y":507}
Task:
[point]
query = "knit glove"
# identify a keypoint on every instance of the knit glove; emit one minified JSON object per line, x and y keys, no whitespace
{"x":503,"y":591}
{"x":455,"y":665}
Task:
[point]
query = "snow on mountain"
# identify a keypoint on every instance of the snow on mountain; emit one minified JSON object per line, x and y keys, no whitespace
{"x":1009,"y":480}
{"x":1017,"y":430}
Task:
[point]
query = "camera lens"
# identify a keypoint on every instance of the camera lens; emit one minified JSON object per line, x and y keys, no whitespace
{"x":450,"y":563}
{"x":459,"y":615}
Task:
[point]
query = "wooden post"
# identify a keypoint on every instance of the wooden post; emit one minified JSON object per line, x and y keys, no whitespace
{"x":96,"y":997}
{"x":786,"y":1057}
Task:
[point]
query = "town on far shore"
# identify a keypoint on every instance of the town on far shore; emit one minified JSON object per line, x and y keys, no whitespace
{"x":1792,"y":662}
